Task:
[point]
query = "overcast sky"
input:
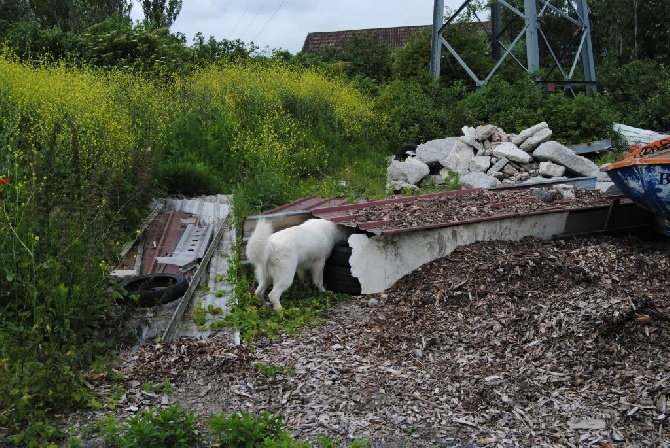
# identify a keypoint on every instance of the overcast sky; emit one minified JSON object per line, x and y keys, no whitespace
{"x":285,"y":23}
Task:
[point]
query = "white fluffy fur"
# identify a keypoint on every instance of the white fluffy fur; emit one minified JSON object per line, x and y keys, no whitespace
{"x":279,"y":256}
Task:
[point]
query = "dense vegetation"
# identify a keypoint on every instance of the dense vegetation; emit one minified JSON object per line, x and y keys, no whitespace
{"x":99,"y":115}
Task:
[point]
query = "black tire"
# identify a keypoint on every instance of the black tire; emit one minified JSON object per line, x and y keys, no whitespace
{"x":152,"y":289}
{"x":339,"y":279}
{"x":340,"y":255}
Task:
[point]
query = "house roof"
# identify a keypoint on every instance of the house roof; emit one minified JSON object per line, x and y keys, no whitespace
{"x":395,"y":37}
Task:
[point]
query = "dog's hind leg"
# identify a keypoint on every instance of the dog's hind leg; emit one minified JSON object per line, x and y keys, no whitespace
{"x":278,"y":289}
{"x":263,"y":283}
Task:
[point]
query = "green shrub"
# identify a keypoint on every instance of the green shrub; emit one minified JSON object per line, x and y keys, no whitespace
{"x":247,"y":430}
{"x":574,"y":120}
{"x":266,"y":127}
{"x":173,"y":427}
{"x":510,"y":106}
{"x":639,"y":91}
{"x":188,"y":179}
{"x":76,"y":179}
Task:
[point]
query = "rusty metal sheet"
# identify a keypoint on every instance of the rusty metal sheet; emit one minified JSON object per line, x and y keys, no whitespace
{"x":306,"y":204}
{"x":340,"y":211}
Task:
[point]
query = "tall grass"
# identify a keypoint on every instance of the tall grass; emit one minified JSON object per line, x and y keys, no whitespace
{"x":269,"y":128}
{"x":77,"y":173}
{"x":83,"y":152}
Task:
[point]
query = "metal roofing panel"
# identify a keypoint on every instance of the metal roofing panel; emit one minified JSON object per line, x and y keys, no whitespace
{"x":306,"y":204}
{"x":347,"y":214}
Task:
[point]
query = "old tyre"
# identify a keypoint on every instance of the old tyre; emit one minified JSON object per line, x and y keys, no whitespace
{"x":337,"y":273}
{"x":152,"y":289}
{"x":340,"y":255}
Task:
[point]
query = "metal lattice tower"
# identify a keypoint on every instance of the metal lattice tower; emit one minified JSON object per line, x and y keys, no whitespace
{"x":574,"y":13}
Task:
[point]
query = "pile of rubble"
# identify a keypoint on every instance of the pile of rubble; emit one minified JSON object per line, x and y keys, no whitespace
{"x":487,"y":157}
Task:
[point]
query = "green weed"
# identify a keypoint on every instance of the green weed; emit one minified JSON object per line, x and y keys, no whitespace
{"x":301,"y":308}
{"x":323,"y":441}
{"x":249,"y":430}
{"x":271,"y":370}
{"x":172,"y":427}
{"x":164,"y":388}
{"x":199,"y":314}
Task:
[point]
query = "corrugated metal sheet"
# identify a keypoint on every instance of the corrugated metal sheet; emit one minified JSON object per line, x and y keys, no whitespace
{"x":345,"y":214}
{"x":306,"y":204}
{"x":581,"y":218}
{"x":340,"y":211}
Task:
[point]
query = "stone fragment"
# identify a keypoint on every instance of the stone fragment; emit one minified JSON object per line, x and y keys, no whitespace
{"x":498,"y":166}
{"x":432,"y":179}
{"x":574,"y":164}
{"x":410,"y":171}
{"x":510,"y":170}
{"x":550,"y":169}
{"x":485,"y":132}
{"x":511,"y":152}
{"x":397,"y":186}
{"x":536,"y":140}
{"x":479,"y":164}
{"x":526,"y":133}
{"x":435,"y":150}
{"x":545,"y":195}
{"x":478,"y":180}
{"x":476,"y":145}
{"x":567,"y":191}
{"x":459,"y":158}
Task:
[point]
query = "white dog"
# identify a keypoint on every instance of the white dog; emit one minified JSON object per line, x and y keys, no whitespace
{"x":279,"y":256}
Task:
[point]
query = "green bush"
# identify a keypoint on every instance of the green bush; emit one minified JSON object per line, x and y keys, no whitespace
{"x":582,"y":119}
{"x":188,"y":179}
{"x":247,"y":430}
{"x":71,"y":158}
{"x":510,"y":106}
{"x":173,"y":427}
{"x":266,"y":127}
{"x":639,"y":91}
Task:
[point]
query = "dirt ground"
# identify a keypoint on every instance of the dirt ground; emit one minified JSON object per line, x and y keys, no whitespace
{"x":527,"y":343}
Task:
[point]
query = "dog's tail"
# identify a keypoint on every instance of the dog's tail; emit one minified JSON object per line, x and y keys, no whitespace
{"x":257,"y":243}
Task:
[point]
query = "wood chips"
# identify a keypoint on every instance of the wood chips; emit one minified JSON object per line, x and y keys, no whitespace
{"x":529,"y":343}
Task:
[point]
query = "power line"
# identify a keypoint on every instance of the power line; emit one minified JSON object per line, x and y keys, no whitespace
{"x":254,"y":19}
{"x":232,"y":33}
{"x":269,"y":20}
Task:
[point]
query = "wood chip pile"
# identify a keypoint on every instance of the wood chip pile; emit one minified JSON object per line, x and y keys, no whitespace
{"x":529,"y":343}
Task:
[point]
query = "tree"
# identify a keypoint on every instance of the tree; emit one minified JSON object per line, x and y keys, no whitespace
{"x":367,"y":56}
{"x":75,"y":15}
{"x":160,"y":13}
{"x":12,"y":11}
{"x":627,"y":30}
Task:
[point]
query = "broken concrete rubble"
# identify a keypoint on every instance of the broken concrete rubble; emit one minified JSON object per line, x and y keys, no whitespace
{"x":555,"y":152}
{"x":487,"y":157}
